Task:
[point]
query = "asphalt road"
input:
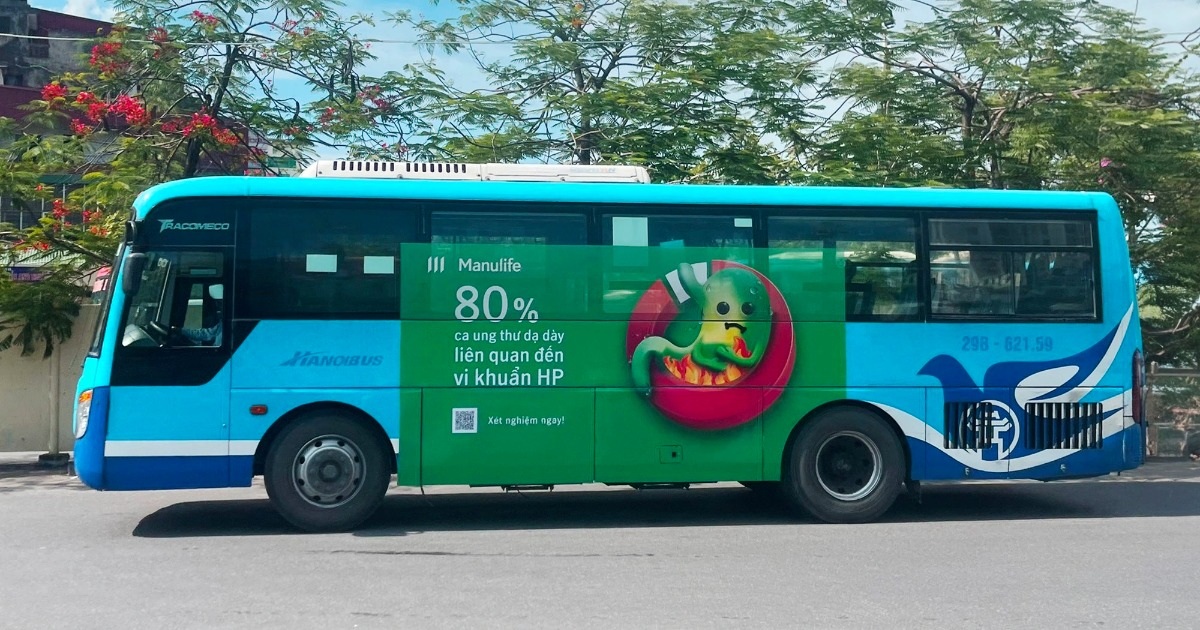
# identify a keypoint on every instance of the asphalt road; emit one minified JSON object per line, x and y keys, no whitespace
{"x":1112,"y":554}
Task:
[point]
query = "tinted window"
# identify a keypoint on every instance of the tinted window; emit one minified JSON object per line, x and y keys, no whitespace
{"x":633,"y":230}
{"x":1014,"y":269}
{"x":188,"y":223}
{"x":656,"y":241}
{"x":1037,"y":233}
{"x":877,"y":259}
{"x":539,"y":241}
{"x":309,"y":261}
{"x":494,"y":228}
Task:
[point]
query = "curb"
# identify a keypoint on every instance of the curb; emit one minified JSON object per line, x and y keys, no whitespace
{"x":30,"y":463}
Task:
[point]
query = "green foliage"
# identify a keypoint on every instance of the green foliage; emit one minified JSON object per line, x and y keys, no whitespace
{"x":41,"y":313}
{"x":178,"y":89}
{"x":1034,"y":94}
{"x":697,"y":91}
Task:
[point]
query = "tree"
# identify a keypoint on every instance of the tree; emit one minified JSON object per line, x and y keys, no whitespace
{"x":1034,"y":94}
{"x":179,"y":89}
{"x":707,"y":90}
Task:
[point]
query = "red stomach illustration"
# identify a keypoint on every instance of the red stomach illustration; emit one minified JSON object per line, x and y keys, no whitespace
{"x":702,"y":398}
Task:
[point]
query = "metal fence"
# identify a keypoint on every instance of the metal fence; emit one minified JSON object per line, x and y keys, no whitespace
{"x":1173,"y":413}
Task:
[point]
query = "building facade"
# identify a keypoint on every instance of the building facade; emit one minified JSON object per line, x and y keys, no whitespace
{"x":37,"y":45}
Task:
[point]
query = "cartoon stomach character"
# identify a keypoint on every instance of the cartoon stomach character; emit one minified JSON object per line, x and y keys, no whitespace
{"x":741,"y":351}
{"x":734,"y":332}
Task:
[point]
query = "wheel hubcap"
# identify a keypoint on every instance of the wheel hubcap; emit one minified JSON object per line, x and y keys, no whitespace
{"x":848,"y":466}
{"x":328,"y":471}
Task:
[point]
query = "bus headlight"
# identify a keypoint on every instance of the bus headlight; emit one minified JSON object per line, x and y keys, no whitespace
{"x":83,"y":410}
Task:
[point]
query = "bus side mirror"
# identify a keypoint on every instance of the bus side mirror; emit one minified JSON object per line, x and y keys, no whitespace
{"x":131,"y":275}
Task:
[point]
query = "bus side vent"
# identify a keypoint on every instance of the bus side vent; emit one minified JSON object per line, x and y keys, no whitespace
{"x":968,"y":425}
{"x":1064,"y":425}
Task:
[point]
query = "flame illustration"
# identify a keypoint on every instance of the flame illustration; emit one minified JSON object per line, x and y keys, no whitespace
{"x":687,"y":371}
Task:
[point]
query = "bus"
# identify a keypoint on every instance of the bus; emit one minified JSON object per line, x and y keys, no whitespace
{"x":371,"y":324}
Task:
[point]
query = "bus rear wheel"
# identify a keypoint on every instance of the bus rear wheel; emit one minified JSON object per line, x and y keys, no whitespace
{"x":326,"y":472}
{"x":845,"y":466}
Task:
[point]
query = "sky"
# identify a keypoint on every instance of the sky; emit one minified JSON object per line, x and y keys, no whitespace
{"x":1172,"y":17}
{"x":1168,"y":16}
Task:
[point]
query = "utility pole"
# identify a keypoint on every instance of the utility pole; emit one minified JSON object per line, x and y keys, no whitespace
{"x":54,"y":457}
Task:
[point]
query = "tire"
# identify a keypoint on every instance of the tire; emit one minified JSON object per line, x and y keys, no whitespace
{"x":846,"y":466}
{"x":327,"y":472}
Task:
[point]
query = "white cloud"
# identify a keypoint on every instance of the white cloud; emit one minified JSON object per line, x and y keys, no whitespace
{"x":95,"y":9}
{"x":1166,"y":16}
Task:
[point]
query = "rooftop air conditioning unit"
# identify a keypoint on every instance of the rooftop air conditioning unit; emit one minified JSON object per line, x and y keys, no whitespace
{"x":375,"y":169}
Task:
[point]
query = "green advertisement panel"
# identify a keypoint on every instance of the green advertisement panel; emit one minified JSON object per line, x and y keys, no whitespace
{"x":562,"y":364}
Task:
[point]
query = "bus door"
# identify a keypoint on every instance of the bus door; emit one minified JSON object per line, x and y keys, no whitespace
{"x":168,"y":423}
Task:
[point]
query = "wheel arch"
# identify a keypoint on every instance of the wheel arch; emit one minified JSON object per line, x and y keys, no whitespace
{"x":349,"y":411}
{"x":874,"y":410}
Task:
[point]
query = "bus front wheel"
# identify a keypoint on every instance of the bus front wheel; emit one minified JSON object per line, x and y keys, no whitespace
{"x":845,"y":466}
{"x":326,"y":472}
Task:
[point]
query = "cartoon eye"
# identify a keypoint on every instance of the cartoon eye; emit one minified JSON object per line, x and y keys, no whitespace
{"x":747,"y":309}
{"x":723,"y":308}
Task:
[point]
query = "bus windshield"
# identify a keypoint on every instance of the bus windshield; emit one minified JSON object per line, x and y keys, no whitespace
{"x":106,"y":287}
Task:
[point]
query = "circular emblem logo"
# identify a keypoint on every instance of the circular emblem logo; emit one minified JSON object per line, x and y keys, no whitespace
{"x":711,"y":344}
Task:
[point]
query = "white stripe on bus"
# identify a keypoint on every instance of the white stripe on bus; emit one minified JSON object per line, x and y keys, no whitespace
{"x":188,"y":448}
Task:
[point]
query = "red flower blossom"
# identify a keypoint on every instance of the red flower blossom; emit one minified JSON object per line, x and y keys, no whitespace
{"x":97,"y":110}
{"x":79,"y":128}
{"x":132,"y":109}
{"x":106,"y":58}
{"x":53,"y":91}
{"x":201,"y":122}
{"x":204,"y":19}
{"x":59,"y":209}
{"x":225,"y":137}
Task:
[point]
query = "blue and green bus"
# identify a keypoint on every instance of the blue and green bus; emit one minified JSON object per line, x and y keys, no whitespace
{"x":375,"y":323}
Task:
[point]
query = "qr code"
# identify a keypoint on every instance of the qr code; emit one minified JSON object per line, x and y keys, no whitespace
{"x":465,"y":420}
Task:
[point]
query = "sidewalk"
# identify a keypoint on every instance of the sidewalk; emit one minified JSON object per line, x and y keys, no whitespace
{"x":23,"y":464}
{"x":1161,"y":469}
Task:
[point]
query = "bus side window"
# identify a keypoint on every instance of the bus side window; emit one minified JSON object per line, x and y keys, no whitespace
{"x":640,"y":240}
{"x":676,"y":231}
{"x":878,"y":254}
{"x":537,"y":240}
{"x":304,"y":260}
{"x":1036,"y":268}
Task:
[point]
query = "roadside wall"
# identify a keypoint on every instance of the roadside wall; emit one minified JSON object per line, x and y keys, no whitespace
{"x":29,"y":387}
